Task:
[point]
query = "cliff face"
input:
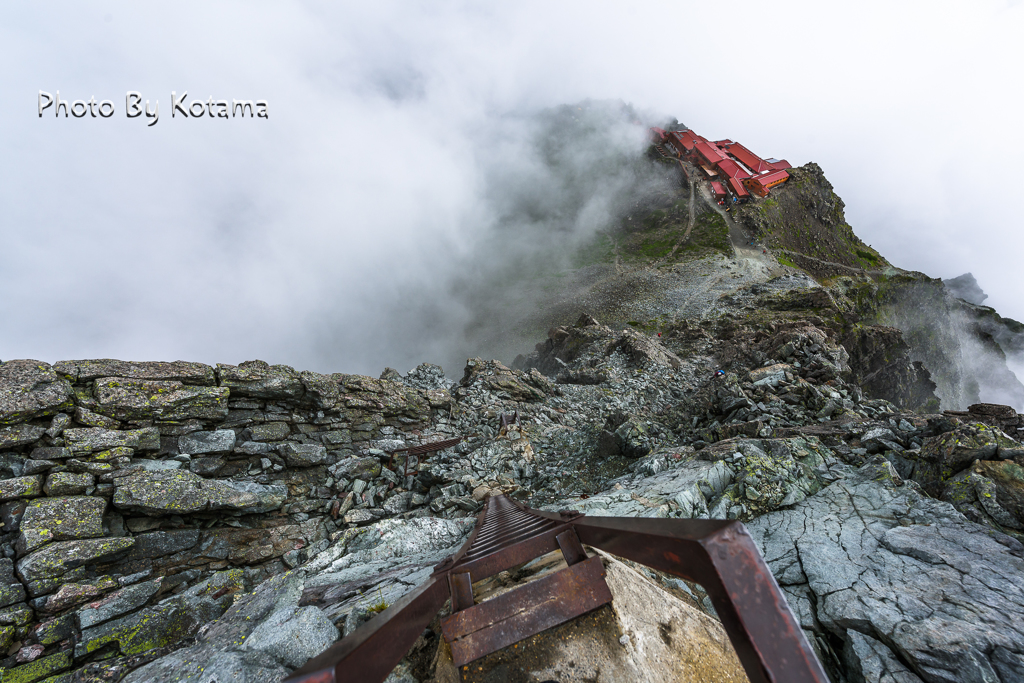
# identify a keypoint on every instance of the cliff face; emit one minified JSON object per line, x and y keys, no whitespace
{"x":968,"y":349}
{"x":806,"y":217}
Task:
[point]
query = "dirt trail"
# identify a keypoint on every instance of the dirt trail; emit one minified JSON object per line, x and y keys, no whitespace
{"x":692,"y":205}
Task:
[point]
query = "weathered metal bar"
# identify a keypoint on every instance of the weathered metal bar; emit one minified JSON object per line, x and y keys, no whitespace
{"x":572,"y":549}
{"x":721,"y":557}
{"x":375,"y":648}
{"x":462,"y":590}
{"x":526,"y":610}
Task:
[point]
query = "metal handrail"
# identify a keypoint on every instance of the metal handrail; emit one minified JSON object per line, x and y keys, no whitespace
{"x":717,"y":554}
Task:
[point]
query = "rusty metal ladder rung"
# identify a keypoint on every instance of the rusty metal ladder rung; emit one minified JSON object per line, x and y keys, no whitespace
{"x":476,"y":630}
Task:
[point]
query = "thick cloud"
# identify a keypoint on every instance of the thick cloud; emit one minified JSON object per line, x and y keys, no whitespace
{"x":404,"y":160}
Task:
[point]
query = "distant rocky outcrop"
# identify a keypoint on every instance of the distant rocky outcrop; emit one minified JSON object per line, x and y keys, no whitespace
{"x":966,"y":287}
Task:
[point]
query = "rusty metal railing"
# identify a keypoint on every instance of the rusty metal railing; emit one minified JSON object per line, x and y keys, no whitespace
{"x":718,"y":555}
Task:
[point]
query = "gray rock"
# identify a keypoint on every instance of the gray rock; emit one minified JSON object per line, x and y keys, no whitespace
{"x":50,"y":453}
{"x":117,"y":603}
{"x":63,"y":518}
{"x":357,"y":468}
{"x":255,"y":448}
{"x":883,"y":560}
{"x":303,"y":455}
{"x":259,"y":379}
{"x":161,"y":543}
{"x":133,"y":399}
{"x":157,"y":465}
{"x":219,"y":655}
{"x":56,"y":559}
{"x":208,"y":664}
{"x":67,"y":483}
{"x":182,"y":492}
{"x":206,"y":467}
{"x":270,"y":431}
{"x":91,"y":439}
{"x":181,"y":371}
{"x":58,"y":424}
{"x":20,"y":435}
{"x":21,"y":487}
{"x":197,"y":443}
{"x":31,"y":389}
{"x":293,"y":635}
{"x":87,"y":417}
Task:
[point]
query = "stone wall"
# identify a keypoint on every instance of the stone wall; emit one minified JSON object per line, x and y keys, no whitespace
{"x":137,"y":498}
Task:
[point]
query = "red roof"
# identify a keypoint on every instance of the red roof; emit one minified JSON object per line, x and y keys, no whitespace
{"x":768,"y":178}
{"x":717,"y":189}
{"x":686,"y":138}
{"x":755,"y":163}
{"x":658,"y":134}
{"x":780,"y":165}
{"x":710,"y":152}
{"x":738,"y":188}
{"x":729,"y":168}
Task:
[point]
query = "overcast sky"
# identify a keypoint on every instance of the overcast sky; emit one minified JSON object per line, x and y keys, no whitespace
{"x":316,"y":236}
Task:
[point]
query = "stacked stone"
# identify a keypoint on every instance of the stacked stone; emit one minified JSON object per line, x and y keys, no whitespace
{"x":137,"y":498}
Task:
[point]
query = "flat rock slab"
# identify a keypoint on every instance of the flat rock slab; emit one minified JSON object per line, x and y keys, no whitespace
{"x":63,"y":518}
{"x":57,"y":558}
{"x":871,"y":555}
{"x":118,"y":603}
{"x":259,"y":379}
{"x":11,"y":437}
{"x":21,"y":487}
{"x":197,"y":443}
{"x":91,"y":439}
{"x":183,"y":492}
{"x":67,"y":483}
{"x":134,"y":399}
{"x":31,"y":389}
{"x":303,"y":455}
{"x":181,"y":371}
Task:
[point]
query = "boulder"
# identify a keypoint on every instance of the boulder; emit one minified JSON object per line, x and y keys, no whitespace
{"x":20,"y":435}
{"x":943,"y":456}
{"x":871,"y":555}
{"x":91,"y":439}
{"x":293,"y":635}
{"x":183,"y":492}
{"x":641,"y":349}
{"x":50,"y":453}
{"x":357,"y":468}
{"x":118,"y":603}
{"x":989,"y":493}
{"x":197,"y":443}
{"x":180,"y":371}
{"x":495,"y":377}
{"x":304,"y":455}
{"x":271,"y":431}
{"x":56,"y":559}
{"x":11,"y":590}
{"x":165,"y":623}
{"x":21,"y":487}
{"x":44,"y":667}
{"x":259,"y":379}
{"x":71,"y":594}
{"x":634,"y":439}
{"x":67,"y":483}
{"x":31,"y":389}
{"x":133,"y":399}
{"x":64,"y":518}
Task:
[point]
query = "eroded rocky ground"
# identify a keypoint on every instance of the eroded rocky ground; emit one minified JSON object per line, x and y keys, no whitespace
{"x":182,"y":522}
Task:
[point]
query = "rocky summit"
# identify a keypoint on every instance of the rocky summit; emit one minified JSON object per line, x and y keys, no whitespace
{"x":175,"y":521}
